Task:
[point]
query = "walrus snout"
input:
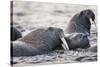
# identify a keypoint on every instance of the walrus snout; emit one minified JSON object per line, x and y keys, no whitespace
{"x":88,"y":13}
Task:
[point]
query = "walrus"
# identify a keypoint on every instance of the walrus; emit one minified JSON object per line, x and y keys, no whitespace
{"x":37,"y":42}
{"x":81,"y":22}
{"x":77,"y":40}
{"x":15,"y":34}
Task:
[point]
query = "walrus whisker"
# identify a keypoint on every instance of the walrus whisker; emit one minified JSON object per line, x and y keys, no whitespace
{"x":94,"y":24}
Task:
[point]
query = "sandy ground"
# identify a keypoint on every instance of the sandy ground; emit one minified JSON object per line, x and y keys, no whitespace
{"x":28,"y":16}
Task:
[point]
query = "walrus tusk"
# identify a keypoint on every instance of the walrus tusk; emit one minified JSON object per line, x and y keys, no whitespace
{"x":94,"y":24}
{"x":64,"y":45}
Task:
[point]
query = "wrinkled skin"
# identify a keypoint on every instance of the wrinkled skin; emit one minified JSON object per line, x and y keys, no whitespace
{"x":80,"y":22}
{"x":77,"y":40}
{"x":40,"y":41}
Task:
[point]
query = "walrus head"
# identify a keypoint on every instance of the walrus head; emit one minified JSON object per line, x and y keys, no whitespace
{"x":60,"y":34}
{"x":81,"y":22}
{"x":89,"y":14}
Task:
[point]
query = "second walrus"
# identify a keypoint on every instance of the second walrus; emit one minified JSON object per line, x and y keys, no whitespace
{"x":80,"y":22}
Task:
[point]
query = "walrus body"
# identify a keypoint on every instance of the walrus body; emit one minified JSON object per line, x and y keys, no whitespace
{"x":80,"y":22}
{"x":15,"y":34}
{"x":40,"y":41}
{"x":77,"y":40}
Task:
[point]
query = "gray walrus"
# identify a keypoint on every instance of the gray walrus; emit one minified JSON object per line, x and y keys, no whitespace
{"x":77,"y":40}
{"x":80,"y":22}
{"x":40,"y":41}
